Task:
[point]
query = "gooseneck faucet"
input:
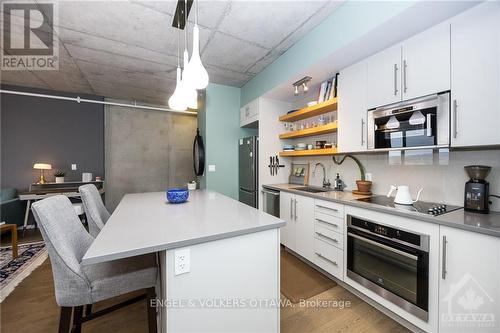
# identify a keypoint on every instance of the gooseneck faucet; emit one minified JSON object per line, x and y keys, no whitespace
{"x":326,"y":183}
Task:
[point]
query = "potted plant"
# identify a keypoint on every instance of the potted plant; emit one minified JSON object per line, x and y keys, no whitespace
{"x":364,"y":186}
{"x":59,"y":176}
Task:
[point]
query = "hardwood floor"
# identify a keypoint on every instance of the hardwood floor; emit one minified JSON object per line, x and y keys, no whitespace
{"x":358,"y":317}
{"x":31,"y":307}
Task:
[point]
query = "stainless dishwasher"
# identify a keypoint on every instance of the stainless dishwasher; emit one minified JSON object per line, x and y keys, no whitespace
{"x":271,"y":202}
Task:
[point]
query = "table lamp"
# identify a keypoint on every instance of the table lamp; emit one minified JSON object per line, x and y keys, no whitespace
{"x":41,"y":167}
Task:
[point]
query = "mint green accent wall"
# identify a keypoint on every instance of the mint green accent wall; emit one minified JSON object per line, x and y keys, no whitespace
{"x":220,"y":126}
{"x":349,"y":22}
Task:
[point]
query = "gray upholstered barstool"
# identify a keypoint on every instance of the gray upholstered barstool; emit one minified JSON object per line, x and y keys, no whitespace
{"x":77,"y":285}
{"x":97,"y":214}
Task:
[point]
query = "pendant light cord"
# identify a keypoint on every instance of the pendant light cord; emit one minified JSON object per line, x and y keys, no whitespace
{"x":178,"y":42}
{"x":196,"y":12}
{"x":185,"y":26}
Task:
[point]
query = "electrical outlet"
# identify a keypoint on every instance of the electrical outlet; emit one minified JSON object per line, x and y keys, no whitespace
{"x":73,"y":166}
{"x":211,"y":168}
{"x":368,"y":177}
{"x":182,"y":261}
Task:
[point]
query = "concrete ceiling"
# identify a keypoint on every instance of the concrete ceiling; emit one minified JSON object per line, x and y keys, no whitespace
{"x":128,"y":49}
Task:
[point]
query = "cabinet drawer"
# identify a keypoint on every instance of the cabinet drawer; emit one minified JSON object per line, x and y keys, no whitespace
{"x":330,"y":258}
{"x":328,"y":236}
{"x":329,"y":208}
{"x":330,"y":222}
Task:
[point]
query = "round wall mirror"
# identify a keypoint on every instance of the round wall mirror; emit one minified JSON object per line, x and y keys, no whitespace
{"x":198,"y":154}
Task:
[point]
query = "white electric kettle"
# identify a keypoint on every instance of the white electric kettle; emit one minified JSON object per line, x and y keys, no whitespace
{"x":403,"y":196}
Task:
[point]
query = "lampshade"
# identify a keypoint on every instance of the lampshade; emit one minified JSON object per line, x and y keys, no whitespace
{"x":176,"y":101}
{"x":42,"y":166}
{"x":195,"y":72}
{"x":188,"y":92}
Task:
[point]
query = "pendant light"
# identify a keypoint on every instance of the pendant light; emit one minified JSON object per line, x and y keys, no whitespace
{"x":393,"y":123}
{"x":188,"y":91}
{"x":417,"y":118}
{"x":195,"y":72}
{"x":176,"y":102}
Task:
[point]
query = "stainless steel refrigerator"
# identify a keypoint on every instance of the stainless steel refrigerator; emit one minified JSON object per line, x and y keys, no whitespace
{"x":248,"y":170}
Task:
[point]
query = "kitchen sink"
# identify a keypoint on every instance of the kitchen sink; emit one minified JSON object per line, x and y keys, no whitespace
{"x":312,"y":189}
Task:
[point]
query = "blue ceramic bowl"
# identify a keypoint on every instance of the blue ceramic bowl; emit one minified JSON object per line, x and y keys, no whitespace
{"x":177,"y":195}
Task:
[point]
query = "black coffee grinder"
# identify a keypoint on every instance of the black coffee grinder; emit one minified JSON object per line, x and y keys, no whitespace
{"x":477,"y":189}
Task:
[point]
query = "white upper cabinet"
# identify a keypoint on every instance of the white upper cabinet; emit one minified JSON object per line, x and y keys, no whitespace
{"x":249,"y":114}
{"x":384,"y":77}
{"x":475,"y":76}
{"x":352,"y":109}
{"x":418,"y":66}
{"x":469,"y":287}
{"x":426,"y":62}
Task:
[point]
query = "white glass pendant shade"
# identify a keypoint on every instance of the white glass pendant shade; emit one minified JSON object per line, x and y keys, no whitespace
{"x":196,"y":73}
{"x":393,"y":123}
{"x":417,"y":118}
{"x":189,"y":93}
{"x":176,"y":101}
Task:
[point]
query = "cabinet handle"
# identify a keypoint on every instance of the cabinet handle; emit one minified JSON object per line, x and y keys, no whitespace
{"x":405,"y":88}
{"x":443,"y":265}
{"x":455,"y":118}
{"x":295,"y":209}
{"x":325,"y":236}
{"x":362,"y":131}
{"x":333,"y":209}
{"x":322,"y":256}
{"x":395,"y":79}
{"x":291,"y":208}
{"x":333,"y":224}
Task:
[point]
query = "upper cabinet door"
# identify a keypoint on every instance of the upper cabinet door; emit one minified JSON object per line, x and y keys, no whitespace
{"x":384,"y":77}
{"x":352,"y":109}
{"x":249,"y":113}
{"x":426,"y":62}
{"x":475,"y":76}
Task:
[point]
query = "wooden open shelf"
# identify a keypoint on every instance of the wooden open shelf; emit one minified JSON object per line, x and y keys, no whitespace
{"x":312,"y":152}
{"x":325,"y":129}
{"x":311,"y":111}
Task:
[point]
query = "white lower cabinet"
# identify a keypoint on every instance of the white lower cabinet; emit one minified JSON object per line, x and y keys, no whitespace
{"x":298,"y":233}
{"x":469,"y":284}
{"x":329,"y":237}
{"x":287,"y":233}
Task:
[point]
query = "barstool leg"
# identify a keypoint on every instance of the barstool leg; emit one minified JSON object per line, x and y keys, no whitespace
{"x":150,"y":295}
{"x":65,"y":319}
{"x":77,"y":318}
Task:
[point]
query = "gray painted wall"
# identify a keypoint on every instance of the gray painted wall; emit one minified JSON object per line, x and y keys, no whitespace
{"x":35,"y":129}
{"x":146,"y":151}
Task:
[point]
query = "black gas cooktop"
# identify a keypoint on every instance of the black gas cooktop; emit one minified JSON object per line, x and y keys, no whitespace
{"x":422,"y":207}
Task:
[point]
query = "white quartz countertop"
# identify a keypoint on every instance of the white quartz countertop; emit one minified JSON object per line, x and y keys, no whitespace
{"x":145,"y":223}
{"x":488,"y":224}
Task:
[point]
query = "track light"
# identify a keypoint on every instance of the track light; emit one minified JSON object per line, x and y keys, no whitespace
{"x":302,"y":82}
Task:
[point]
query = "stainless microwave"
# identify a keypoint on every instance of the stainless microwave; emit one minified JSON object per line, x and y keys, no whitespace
{"x":419,"y":123}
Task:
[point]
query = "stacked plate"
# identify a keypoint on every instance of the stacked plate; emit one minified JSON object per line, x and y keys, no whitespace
{"x":288,"y":147}
{"x":301,"y":146}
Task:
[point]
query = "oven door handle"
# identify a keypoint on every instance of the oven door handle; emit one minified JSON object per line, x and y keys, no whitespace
{"x":385,"y":247}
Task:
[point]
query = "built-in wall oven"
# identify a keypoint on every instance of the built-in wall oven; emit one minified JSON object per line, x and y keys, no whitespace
{"x":392,"y":262}
{"x":419,"y":123}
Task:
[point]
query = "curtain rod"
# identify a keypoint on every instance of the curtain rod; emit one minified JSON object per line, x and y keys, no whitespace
{"x":85,"y":100}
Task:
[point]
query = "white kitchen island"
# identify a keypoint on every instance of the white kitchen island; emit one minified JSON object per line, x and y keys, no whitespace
{"x":232,"y":254}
